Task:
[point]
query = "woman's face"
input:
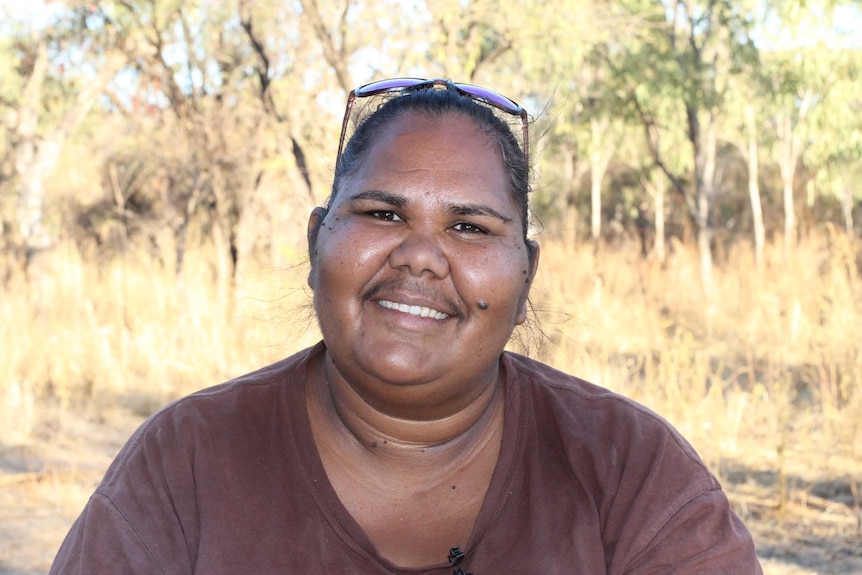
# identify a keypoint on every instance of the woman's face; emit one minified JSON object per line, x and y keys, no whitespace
{"x":420,"y":270}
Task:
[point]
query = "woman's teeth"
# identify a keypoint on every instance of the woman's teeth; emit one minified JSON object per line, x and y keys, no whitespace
{"x":419,"y":310}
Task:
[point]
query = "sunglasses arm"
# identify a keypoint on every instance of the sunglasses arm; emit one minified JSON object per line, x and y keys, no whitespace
{"x":351,"y":98}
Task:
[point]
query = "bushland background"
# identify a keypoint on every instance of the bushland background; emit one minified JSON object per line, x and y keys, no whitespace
{"x":697,"y":197}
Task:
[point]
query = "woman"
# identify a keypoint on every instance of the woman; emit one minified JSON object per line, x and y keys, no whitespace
{"x":408,"y":441}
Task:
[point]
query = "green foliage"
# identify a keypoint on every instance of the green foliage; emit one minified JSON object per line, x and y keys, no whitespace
{"x":628,"y":81}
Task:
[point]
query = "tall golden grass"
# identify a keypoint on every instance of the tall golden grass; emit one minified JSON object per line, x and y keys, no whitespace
{"x":767,"y":370}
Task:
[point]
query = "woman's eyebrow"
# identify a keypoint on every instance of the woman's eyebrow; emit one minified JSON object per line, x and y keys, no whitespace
{"x":477,"y":210}
{"x":380,"y":196}
{"x":397,"y":201}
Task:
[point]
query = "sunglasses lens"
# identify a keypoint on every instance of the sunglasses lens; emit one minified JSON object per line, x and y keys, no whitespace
{"x":410,"y":84}
{"x":397,"y":84}
{"x":490,"y":97}
{"x":391,"y":84}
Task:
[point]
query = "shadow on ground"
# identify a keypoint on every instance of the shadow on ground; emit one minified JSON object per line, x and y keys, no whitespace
{"x":813,"y":524}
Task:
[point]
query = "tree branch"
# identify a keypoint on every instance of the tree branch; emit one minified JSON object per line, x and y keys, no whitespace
{"x":652,"y":137}
{"x":335,"y":55}
{"x":263,"y":71}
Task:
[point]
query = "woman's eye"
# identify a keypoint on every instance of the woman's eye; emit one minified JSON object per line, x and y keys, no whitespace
{"x":468,"y":228}
{"x":385,"y":215}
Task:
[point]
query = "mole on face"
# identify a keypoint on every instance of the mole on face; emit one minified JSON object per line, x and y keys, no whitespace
{"x":483,"y":305}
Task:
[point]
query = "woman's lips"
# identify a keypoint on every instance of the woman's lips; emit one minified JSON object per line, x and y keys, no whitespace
{"x":417,"y":310}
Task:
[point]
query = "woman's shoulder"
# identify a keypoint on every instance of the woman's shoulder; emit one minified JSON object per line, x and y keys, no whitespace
{"x":634,"y":467}
{"x":599,"y":423}
{"x":265,"y":380}
{"x":221,"y":417}
{"x":241,"y":395}
{"x":546,"y":381}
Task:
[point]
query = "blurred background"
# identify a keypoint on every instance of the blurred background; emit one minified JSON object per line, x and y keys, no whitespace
{"x":697,"y":198}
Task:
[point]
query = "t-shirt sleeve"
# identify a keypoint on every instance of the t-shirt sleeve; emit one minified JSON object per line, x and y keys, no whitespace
{"x":142,"y":516}
{"x":663,"y":511}
{"x":103,"y":541}
{"x":704,"y":537}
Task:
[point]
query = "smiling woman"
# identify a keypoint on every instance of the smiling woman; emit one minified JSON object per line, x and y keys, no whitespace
{"x":426,"y":221}
{"x":408,"y":441}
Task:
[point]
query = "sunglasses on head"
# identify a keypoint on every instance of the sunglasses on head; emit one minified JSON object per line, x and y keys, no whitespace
{"x":406,"y":85}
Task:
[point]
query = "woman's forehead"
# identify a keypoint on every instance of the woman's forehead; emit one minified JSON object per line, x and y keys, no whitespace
{"x":445,"y":153}
{"x":450,"y":139}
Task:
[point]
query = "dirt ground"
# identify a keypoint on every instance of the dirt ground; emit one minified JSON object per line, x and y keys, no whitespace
{"x":45,"y":483}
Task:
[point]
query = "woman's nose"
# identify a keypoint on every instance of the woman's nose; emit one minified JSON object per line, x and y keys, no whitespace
{"x":420,"y":253}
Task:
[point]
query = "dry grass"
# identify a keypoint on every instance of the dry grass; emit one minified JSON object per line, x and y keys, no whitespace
{"x":129,"y":331}
{"x":765,"y":378}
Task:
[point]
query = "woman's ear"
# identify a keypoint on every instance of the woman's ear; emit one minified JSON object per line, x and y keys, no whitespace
{"x":315,"y":221}
{"x":533,"y":258}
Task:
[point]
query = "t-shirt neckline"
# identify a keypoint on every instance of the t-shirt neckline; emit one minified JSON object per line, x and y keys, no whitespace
{"x":505,"y":474}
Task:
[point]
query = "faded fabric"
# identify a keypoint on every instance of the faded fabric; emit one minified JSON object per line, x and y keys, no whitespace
{"x":228,"y":481}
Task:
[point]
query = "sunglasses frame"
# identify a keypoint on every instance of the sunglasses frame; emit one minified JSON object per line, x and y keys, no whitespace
{"x":406,"y":85}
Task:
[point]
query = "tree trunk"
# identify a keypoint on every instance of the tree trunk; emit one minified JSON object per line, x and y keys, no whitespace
{"x":656,"y":186}
{"x":787,"y":170}
{"x":599,"y":159}
{"x":595,"y":200}
{"x":31,"y":197}
{"x":754,"y":189}
{"x":570,"y":224}
{"x":36,"y":156}
{"x":847,"y":207}
{"x":223,"y":236}
{"x":183,"y":230}
{"x":704,"y":161}
{"x":660,"y":247}
{"x":30,"y":159}
{"x":791,"y":147}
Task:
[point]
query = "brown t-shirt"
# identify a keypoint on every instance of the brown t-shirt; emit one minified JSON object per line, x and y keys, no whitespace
{"x":228,"y":481}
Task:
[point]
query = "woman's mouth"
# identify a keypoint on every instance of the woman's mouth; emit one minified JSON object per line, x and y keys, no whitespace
{"x":416,"y":310}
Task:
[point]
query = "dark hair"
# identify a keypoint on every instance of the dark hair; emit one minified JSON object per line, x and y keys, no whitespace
{"x":434,"y":103}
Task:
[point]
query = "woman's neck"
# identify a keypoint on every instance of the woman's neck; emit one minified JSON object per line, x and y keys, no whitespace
{"x":378,"y":463}
{"x":467,"y":425}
